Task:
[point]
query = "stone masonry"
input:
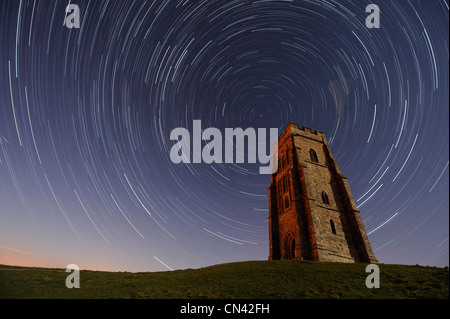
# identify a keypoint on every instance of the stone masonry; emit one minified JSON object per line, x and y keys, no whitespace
{"x":312,"y":213}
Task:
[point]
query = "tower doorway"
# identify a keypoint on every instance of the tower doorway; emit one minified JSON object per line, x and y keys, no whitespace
{"x":290,"y":246}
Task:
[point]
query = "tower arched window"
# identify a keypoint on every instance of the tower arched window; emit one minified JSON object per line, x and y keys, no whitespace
{"x":333,"y":228}
{"x":325,"y":199}
{"x":313,"y":155}
{"x":285,"y":181}
{"x":286,"y":201}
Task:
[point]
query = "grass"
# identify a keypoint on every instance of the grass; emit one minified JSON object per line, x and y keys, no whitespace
{"x":243,"y":280}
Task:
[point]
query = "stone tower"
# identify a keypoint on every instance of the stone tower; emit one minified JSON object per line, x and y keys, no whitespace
{"x":312,"y":213}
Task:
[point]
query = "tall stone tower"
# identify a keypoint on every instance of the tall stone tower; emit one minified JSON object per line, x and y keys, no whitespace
{"x":312,"y":213}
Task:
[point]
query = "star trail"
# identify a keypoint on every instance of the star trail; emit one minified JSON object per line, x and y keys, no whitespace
{"x":86,"y":115}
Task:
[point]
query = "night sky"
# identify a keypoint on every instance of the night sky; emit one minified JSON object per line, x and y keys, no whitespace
{"x":86,"y":115}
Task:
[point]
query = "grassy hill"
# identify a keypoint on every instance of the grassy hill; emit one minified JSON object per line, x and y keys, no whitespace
{"x":252,"y":279}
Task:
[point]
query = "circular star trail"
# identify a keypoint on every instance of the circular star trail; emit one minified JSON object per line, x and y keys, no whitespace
{"x":86,"y":116}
